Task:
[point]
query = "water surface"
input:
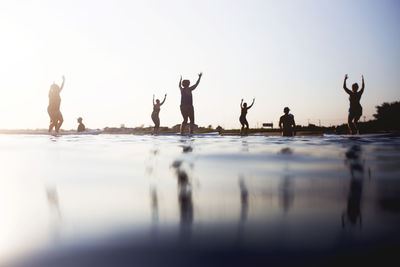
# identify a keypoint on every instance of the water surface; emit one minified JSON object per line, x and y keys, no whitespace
{"x":120,"y":200}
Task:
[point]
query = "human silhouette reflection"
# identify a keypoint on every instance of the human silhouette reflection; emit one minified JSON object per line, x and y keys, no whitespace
{"x":55,"y":212}
{"x":154,"y":205}
{"x":186,"y":146}
{"x":184,"y":200}
{"x":244,"y":207}
{"x":245,"y":146}
{"x":286,"y":193}
{"x":356,"y":166}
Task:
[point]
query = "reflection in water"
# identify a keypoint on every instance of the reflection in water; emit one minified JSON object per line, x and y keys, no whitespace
{"x":244,"y":207}
{"x":356,"y":166}
{"x":55,"y":212}
{"x":286,"y":193}
{"x":184,"y":200}
{"x":286,"y":186}
{"x":245,"y":146}
{"x":286,"y":151}
{"x":154,"y":205}
{"x":243,"y":200}
{"x":186,"y":145}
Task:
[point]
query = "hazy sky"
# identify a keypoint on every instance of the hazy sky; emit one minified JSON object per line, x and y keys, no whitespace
{"x":116,"y":54}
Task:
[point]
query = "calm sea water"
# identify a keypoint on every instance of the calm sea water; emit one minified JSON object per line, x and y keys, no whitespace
{"x":124,"y":200}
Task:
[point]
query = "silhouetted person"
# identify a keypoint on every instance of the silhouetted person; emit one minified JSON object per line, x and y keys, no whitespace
{"x":81,"y":126}
{"x":242,"y":118}
{"x":219,"y":130}
{"x":355,"y":110}
{"x":187,"y":102}
{"x":287,"y":124}
{"x":155,"y":114}
{"x":56,"y":118}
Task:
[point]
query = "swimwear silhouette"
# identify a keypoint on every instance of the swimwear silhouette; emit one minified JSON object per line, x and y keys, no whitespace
{"x":187,"y":102}
{"x":81,"y":126}
{"x":155,"y":114}
{"x":355,"y":110}
{"x":242,"y":118}
{"x":287,"y":124}
{"x":56,"y":118}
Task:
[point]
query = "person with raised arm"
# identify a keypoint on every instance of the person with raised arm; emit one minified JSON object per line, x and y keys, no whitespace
{"x":56,"y":118}
{"x":242,"y":118}
{"x":355,"y":110}
{"x":287,"y":124}
{"x":187,"y":109}
{"x":155,"y":114}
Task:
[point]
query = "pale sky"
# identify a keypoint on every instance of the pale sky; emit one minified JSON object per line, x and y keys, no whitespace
{"x":116,"y":54}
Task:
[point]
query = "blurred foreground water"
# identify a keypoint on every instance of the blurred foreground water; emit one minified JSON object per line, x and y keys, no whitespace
{"x":124,"y":200}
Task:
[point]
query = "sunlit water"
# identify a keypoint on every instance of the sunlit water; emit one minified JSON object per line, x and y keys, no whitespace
{"x":170,"y":200}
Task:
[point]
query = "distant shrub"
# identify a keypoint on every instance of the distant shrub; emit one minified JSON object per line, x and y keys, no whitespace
{"x":388,"y":115}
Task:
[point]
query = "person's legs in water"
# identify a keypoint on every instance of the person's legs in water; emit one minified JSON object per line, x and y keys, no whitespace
{"x":191,"y":118}
{"x":355,"y":122}
{"x":247,"y":127}
{"x":60,"y":121}
{"x":350,"y":122}
{"x":156,"y":121}
{"x":242,"y":122}
{"x":52,"y":125}
{"x":53,"y":120}
{"x":185,"y":116}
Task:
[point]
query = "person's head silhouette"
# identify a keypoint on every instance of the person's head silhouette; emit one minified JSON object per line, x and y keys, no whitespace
{"x":54,"y":87}
{"x":354,"y":87}
{"x":185,"y":83}
{"x":286,"y":110}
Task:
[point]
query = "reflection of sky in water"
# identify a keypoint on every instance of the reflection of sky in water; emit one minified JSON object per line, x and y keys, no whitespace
{"x":57,"y":192}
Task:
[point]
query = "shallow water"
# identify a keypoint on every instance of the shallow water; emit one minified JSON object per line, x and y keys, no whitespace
{"x":116,"y":200}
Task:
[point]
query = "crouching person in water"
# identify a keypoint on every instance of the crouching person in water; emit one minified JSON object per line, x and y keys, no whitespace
{"x":187,"y":102}
{"x":81,"y":126}
{"x":355,"y":110}
{"x":243,"y":114}
{"x":287,"y":124}
{"x":56,"y":118}
{"x":155,"y":114}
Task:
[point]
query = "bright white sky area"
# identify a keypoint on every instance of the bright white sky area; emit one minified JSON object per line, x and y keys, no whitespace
{"x":116,"y":54}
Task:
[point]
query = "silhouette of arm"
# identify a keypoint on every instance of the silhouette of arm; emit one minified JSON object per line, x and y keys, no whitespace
{"x":362,"y":85}
{"x":251,"y":103}
{"x":241,"y":103}
{"x":62,"y":85}
{"x":294,"y":125}
{"x":197,"y":83}
{"x":344,"y":85}
{"x":180,"y":83}
{"x":280,"y":123}
{"x":153,"y":101}
{"x":165,"y":97}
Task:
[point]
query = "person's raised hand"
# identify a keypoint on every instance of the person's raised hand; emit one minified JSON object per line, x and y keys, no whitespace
{"x":200,"y":74}
{"x":346,"y":76}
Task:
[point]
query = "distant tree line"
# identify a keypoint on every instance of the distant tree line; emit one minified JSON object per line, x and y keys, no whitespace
{"x":388,"y":116}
